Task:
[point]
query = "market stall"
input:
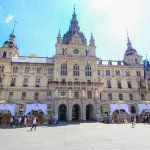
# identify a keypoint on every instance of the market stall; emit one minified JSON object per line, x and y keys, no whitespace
{"x":36,"y":106}
{"x":142,"y":107}
{"x":9,"y":107}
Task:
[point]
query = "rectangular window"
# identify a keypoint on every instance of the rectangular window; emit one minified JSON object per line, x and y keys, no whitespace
{"x":23,"y":95}
{"x":76,"y":94}
{"x":127,"y":73}
{"x":119,"y":84}
{"x":4,"y":54}
{"x":108,"y":84}
{"x":25,"y":82}
{"x":13,"y":82}
{"x":10,"y":95}
{"x":27,"y":69}
{"x":89,"y":94}
{"x":63,"y":71}
{"x":1,"y":68}
{"x":49,"y":95}
{"x":107,"y":72}
{"x":88,"y":71}
{"x":138,"y":73}
{"x":117,"y":73}
{"x":37,"y":83}
{"x":15,"y":69}
{"x":131,"y":97}
{"x":38,"y":70}
{"x":36,"y":96}
{"x":142,"y":96}
{"x":50,"y":71}
{"x":99,"y":72}
{"x":110,"y":96}
{"x":63,"y":94}
{"x":120,"y":96}
{"x":129,"y":84}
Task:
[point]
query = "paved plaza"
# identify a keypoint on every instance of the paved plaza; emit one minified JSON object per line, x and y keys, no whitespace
{"x":77,"y":136}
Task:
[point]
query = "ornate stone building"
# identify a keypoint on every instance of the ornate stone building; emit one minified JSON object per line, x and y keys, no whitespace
{"x":74,"y":83}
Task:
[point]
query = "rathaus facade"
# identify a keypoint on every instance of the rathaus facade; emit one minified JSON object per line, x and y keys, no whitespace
{"x":74,"y":83}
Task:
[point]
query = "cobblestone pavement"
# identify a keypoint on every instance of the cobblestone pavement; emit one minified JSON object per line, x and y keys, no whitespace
{"x":77,"y":136}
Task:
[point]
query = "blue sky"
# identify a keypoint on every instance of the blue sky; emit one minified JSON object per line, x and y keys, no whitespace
{"x":40,"y":20}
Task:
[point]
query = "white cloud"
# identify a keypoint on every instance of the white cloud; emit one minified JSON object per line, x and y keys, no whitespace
{"x":9,"y":18}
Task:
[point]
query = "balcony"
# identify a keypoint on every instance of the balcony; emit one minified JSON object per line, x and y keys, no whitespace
{"x":37,"y":85}
{"x":73,"y":84}
{"x":25,"y":85}
{"x":12,"y":84}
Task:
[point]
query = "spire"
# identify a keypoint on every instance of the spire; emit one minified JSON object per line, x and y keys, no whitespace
{"x":129,"y":44}
{"x":130,"y":50}
{"x":92,"y":41}
{"x":11,"y":41}
{"x":59,"y":39}
{"x":12,"y":35}
{"x":74,"y":22}
{"x":74,"y":9}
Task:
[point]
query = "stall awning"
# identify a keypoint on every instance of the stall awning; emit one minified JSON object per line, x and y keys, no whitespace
{"x":119,"y":106}
{"x":10,"y":107}
{"x":143,"y":107}
{"x":36,"y":106}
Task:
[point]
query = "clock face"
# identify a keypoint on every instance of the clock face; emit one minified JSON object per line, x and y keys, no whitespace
{"x":76,"y":51}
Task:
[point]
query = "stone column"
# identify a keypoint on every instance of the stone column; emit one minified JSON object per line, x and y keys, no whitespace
{"x":69,"y":110}
{"x":83,"y":111}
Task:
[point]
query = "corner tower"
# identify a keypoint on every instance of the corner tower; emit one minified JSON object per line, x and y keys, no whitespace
{"x":9,"y":48}
{"x":131,"y":57}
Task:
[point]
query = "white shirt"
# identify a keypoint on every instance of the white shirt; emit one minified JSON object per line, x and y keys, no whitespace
{"x":34,"y":121}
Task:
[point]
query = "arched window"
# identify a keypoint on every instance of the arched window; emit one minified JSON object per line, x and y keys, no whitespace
{"x":133,"y":110}
{"x":76,"y":71}
{"x":63,"y":70}
{"x":88,"y":70}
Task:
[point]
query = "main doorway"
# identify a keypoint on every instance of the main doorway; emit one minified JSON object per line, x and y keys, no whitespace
{"x":76,"y":112}
{"x":89,"y":111}
{"x":62,"y":112}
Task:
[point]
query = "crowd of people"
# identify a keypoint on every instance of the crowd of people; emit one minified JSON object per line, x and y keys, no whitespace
{"x":126,"y":118}
{"x":21,"y":121}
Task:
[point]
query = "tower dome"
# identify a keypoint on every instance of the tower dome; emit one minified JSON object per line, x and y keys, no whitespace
{"x":73,"y":28}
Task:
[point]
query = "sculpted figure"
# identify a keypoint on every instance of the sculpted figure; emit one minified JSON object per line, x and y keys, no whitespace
{"x":70,"y":93}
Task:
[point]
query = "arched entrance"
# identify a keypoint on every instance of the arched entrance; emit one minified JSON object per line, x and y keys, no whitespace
{"x":76,"y":112}
{"x":62,"y":113}
{"x":132,"y":108}
{"x":89,"y":110}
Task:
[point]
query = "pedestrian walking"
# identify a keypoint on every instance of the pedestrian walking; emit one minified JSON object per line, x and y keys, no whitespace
{"x":34,"y":124}
{"x":11,"y":121}
{"x":132,"y":121}
{"x":25,"y":121}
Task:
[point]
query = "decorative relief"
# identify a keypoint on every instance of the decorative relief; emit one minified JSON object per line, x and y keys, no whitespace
{"x":76,"y":39}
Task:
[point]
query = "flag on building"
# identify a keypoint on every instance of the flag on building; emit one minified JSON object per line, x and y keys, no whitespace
{"x":146,"y":66}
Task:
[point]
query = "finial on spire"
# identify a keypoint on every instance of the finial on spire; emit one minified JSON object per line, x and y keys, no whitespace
{"x":74,"y":8}
{"x":59,"y":33}
{"x":14,"y":27}
{"x":128,"y":40}
{"x":129,"y":45}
